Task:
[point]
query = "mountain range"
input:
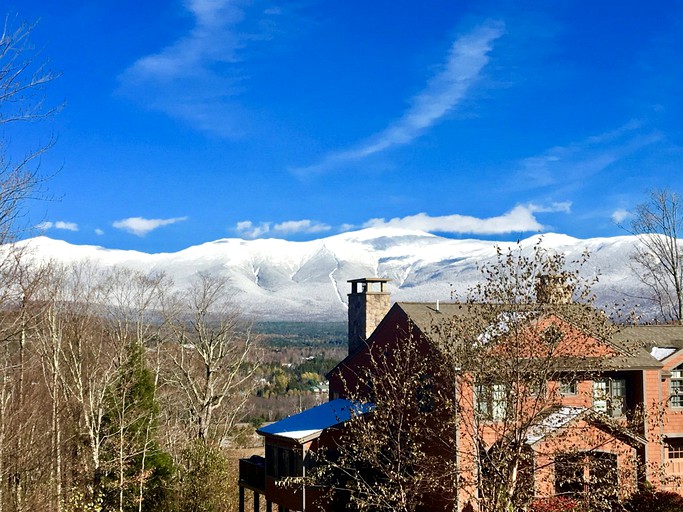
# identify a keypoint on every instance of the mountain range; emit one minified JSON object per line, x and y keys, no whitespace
{"x":274,"y":279}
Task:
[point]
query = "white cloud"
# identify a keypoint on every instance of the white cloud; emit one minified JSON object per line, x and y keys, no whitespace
{"x":196,"y":77}
{"x":60,"y":224}
{"x":520,"y":219}
{"x":301,"y":226}
{"x":99,"y":232}
{"x":443,"y":92}
{"x":620,"y":215}
{"x":140,"y":226}
{"x":248,"y":229}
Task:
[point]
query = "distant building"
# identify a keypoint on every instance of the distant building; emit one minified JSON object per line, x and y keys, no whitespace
{"x":640,"y":368}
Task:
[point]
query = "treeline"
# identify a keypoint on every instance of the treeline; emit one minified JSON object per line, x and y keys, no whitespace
{"x":303,"y":334}
{"x":116,"y":390}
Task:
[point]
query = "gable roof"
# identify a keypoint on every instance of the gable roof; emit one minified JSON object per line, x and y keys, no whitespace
{"x":309,"y":424}
{"x":662,"y":341}
{"x":626,"y":352}
{"x":556,"y":418}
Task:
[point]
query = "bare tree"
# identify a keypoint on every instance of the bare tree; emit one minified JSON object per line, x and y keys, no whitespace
{"x":210,"y":361}
{"x":23,"y":77}
{"x":658,"y":225}
{"x":393,"y":456}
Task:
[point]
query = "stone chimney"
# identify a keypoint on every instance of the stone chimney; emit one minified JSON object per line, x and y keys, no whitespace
{"x":368,"y":303}
{"x":553,"y":289}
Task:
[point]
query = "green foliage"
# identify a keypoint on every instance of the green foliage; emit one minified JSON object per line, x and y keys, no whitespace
{"x":649,"y":500}
{"x":130,"y":429}
{"x":284,"y":379}
{"x":202,"y":480}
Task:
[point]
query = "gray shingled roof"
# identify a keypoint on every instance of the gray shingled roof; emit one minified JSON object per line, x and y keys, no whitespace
{"x":653,"y":335}
{"x":631,"y":351}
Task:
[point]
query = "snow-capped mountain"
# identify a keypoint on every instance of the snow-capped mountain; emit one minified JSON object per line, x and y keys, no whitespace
{"x":278,"y":280}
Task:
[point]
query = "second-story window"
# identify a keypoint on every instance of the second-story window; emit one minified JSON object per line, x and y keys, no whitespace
{"x":491,"y":401}
{"x":676,"y":398}
{"x":609,"y":396}
{"x":568,"y":387}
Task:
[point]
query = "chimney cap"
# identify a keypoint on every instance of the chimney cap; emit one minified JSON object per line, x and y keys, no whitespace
{"x":368,"y":285}
{"x":369,"y":280}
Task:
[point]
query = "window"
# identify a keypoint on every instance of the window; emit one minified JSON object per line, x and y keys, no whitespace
{"x":282,"y":462}
{"x":569,"y":470}
{"x":569,"y":388}
{"x":491,"y":401}
{"x":674,"y":448}
{"x":676,"y":398}
{"x":538,"y":388}
{"x":604,"y":477}
{"x":609,"y":396}
{"x":592,"y":473}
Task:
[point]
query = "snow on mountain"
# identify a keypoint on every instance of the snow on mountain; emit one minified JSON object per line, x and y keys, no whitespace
{"x":277,"y":279}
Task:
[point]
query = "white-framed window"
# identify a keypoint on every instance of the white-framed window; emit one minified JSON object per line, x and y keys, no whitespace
{"x":491,"y":401}
{"x":674,"y":447}
{"x":676,"y":387}
{"x":609,"y":396}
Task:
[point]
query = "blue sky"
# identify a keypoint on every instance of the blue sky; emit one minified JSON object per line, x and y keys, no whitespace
{"x":186,"y":121}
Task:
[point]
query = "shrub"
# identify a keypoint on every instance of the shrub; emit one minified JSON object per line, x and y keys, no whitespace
{"x":649,"y":500}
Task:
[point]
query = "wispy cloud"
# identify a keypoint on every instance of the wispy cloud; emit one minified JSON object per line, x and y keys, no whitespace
{"x":573,"y":164}
{"x":140,"y":226}
{"x":195,"y":78}
{"x":60,"y":224}
{"x":249,"y":229}
{"x":520,"y":219}
{"x":443,"y":92}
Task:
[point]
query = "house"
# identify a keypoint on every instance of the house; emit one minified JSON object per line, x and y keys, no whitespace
{"x":611,"y":416}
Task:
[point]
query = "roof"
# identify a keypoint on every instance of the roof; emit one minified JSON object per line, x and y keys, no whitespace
{"x":670,"y":336}
{"x":555,"y":418}
{"x":309,"y":424}
{"x":630,"y":351}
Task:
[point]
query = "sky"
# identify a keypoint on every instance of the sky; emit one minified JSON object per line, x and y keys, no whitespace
{"x":186,"y":121}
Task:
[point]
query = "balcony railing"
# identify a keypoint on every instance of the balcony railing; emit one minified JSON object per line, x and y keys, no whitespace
{"x":253,"y":473}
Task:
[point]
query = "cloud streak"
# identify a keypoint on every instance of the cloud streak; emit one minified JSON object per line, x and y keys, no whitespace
{"x":572,"y":165}
{"x":60,"y":224}
{"x":196,"y":78}
{"x":464,"y":63}
{"x":520,"y":219}
{"x":140,"y":226}
{"x":249,"y":229}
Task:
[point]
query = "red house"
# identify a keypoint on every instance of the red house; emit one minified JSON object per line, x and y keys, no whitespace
{"x":621,"y":405}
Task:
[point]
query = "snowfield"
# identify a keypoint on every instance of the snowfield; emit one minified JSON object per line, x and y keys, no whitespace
{"x":275,"y":279}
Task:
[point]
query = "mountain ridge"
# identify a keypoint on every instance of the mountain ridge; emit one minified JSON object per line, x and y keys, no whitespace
{"x":275,"y":279}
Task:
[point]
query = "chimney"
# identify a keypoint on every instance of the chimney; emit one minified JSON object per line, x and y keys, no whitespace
{"x":368,"y":303}
{"x":553,"y":289}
